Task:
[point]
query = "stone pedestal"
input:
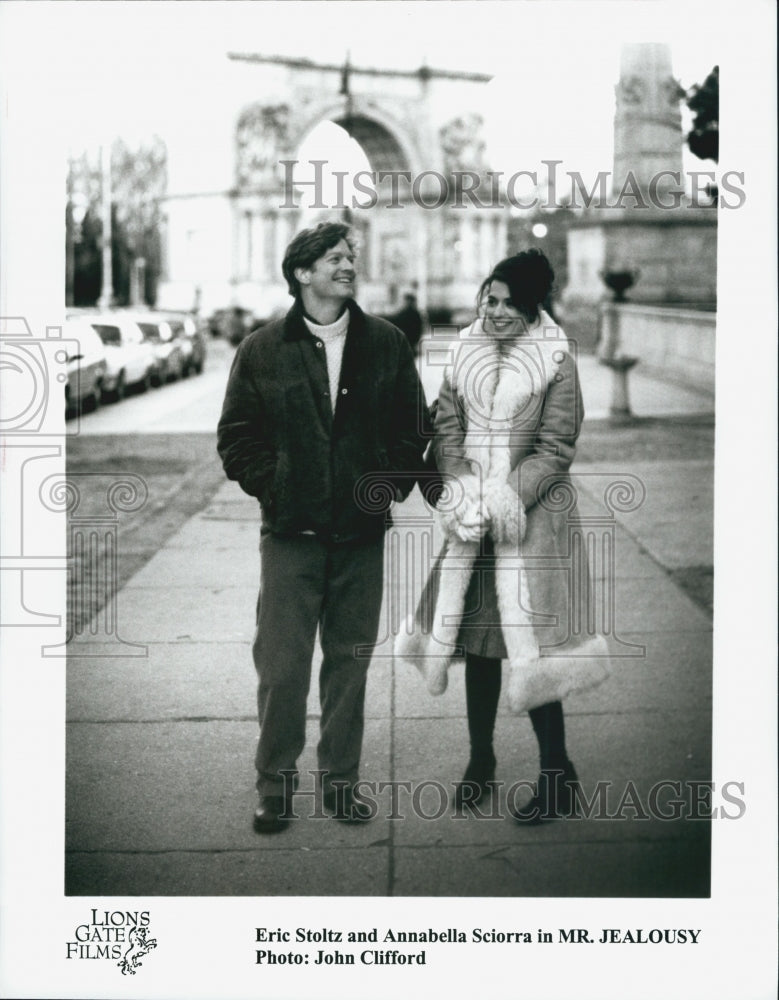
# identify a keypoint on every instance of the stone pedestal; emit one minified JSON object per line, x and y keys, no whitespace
{"x":619,"y":410}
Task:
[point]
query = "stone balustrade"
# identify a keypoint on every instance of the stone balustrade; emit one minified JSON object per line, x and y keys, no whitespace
{"x":678,"y":344}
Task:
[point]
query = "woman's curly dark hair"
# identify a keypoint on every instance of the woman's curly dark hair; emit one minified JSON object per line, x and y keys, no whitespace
{"x":528,"y":276}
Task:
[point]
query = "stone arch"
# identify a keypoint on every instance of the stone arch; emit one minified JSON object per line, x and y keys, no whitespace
{"x":413,"y":124}
{"x":266,"y":132}
{"x":386,"y":143}
{"x":386,"y":242}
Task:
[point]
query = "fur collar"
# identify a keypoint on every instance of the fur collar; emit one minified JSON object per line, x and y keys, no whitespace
{"x":495,"y":386}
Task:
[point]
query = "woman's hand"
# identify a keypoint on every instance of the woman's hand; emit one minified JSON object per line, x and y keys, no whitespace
{"x":473,"y":525}
{"x":505,"y":512}
{"x":465,"y":517}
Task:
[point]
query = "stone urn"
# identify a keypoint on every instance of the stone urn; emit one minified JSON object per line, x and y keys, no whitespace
{"x":620,"y":281}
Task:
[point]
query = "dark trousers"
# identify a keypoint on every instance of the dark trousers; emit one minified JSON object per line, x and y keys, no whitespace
{"x":306,"y":584}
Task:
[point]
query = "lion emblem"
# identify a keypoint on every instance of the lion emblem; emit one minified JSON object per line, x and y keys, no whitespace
{"x":140,"y":945}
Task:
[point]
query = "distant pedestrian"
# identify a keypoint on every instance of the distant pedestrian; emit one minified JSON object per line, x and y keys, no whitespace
{"x":409,"y":321}
{"x":509,"y":413}
{"x":236,"y":326}
{"x":323,"y":421}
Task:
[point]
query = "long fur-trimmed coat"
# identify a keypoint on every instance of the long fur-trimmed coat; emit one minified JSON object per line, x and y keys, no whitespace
{"x":506,"y":428}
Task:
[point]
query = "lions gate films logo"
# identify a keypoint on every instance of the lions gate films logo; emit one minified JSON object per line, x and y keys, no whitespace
{"x":120,"y":936}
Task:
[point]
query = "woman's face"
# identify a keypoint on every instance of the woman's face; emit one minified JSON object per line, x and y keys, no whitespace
{"x":502,"y":319}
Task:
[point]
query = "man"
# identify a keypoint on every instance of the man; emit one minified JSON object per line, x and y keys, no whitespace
{"x":409,"y":321}
{"x":324,"y":422}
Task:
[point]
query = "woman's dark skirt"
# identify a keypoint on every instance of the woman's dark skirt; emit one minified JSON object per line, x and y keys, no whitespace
{"x":480,"y":630}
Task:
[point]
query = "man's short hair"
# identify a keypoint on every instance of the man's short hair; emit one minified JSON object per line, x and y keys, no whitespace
{"x":308,"y":246}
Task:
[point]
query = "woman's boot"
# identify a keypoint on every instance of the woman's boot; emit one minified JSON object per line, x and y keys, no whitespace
{"x":554,"y":797}
{"x":482,"y":693}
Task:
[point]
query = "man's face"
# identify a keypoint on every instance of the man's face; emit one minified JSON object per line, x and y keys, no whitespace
{"x":331,"y":278}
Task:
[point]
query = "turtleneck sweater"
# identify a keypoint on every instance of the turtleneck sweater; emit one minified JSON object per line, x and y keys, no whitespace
{"x":333,"y":336}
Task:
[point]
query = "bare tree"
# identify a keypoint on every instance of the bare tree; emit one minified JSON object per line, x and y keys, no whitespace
{"x":703,"y":102}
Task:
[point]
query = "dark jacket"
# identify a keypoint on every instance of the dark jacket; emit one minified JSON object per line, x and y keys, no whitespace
{"x":312,"y":470}
{"x":409,"y":322}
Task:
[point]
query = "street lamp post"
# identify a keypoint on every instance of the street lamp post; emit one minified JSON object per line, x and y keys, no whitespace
{"x":346,"y":92}
{"x":137,"y":281}
{"x":107,"y":290}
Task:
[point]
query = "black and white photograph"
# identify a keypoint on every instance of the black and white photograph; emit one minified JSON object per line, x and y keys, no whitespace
{"x":388,"y":483}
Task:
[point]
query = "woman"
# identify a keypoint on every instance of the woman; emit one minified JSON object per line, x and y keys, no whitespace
{"x":509,"y":413}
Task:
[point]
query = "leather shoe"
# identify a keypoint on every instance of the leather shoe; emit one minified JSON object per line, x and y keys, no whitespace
{"x":472,"y":789}
{"x":554,"y":797}
{"x":272,"y":815}
{"x":344,"y":807}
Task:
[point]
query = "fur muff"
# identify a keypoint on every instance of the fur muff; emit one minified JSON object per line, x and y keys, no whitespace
{"x":496,"y":388}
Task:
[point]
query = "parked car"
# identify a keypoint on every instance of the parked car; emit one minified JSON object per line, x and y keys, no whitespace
{"x":232,"y":324}
{"x":131,"y":360}
{"x":190,"y":332}
{"x":86,"y":366}
{"x":216,"y":322}
{"x":196,"y":329}
{"x":171,"y":353}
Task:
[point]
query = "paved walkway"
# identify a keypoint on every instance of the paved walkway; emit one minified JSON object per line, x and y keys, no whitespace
{"x":160,"y":782}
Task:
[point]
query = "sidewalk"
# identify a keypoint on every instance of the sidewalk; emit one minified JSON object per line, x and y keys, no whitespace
{"x":160,"y":781}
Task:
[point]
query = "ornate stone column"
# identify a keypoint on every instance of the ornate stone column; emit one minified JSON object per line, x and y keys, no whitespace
{"x":648,"y":121}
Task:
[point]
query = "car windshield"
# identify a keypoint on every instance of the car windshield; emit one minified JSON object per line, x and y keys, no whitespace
{"x":108,"y":334}
{"x":150,"y":331}
{"x":176,"y":326}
